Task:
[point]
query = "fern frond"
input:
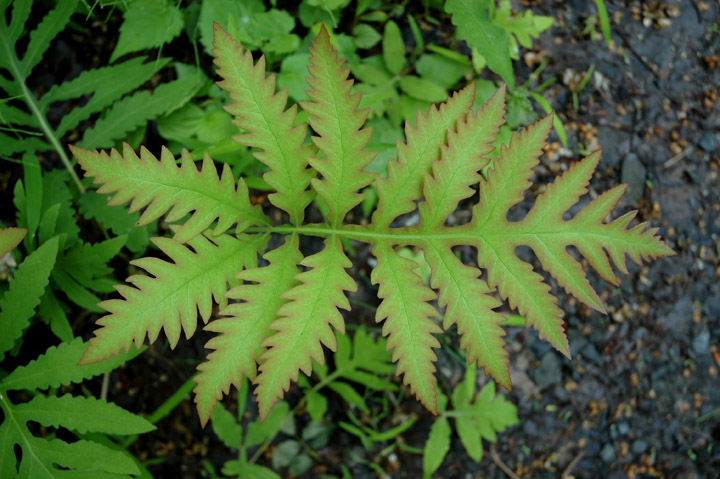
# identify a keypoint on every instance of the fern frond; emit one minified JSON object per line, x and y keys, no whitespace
{"x":470,"y":306}
{"x":545,"y":231}
{"x":48,"y":28}
{"x":52,"y":458}
{"x":160,"y":186}
{"x":460,"y":162}
{"x":524,"y":289}
{"x":59,"y":365}
{"x":22,"y":297}
{"x":81,"y":414}
{"x":406,"y":312}
{"x":135,"y":110}
{"x":106,"y":85}
{"x":261,"y":112}
{"x":40,"y":38}
{"x":281,"y":318}
{"x":171,"y":297}
{"x":49,"y":457}
{"x":333,"y":114}
{"x":406,"y":175}
{"x":245,"y":326}
{"x":303,"y":323}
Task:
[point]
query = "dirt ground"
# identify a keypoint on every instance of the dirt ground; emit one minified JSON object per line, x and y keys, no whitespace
{"x":641,"y":396}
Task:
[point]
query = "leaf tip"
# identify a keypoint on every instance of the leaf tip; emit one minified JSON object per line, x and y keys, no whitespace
{"x":91,"y":355}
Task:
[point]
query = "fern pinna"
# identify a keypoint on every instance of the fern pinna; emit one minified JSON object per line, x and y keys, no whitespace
{"x":284,"y":308}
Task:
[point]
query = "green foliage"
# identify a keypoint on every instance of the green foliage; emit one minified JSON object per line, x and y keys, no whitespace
{"x":481,"y":33}
{"x":440,"y":163}
{"x":148,"y":24}
{"x":77,"y":270}
{"x":604,"y":20}
{"x":495,"y":32}
{"x":364,"y":362}
{"x":19,"y":302}
{"x":477,"y":417}
{"x":24,"y":128}
{"x":92,"y":455}
{"x":257,"y":433}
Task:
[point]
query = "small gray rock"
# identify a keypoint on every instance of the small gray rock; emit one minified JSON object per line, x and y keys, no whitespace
{"x":639,"y":446}
{"x":608,"y":453}
{"x":633,"y":173}
{"x":548,"y":373}
{"x":708,"y":142}
{"x":701,"y":342}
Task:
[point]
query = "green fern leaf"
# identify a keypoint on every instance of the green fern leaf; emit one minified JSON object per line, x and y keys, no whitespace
{"x":147,"y":24}
{"x":514,"y":278}
{"x":407,"y":314}
{"x":135,"y":110}
{"x":303,"y":325}
{"x":483,"y":34}
{"x":58,"y":365}
{"x":26,"y":288}
{"x":460,"y":162}
{"x":55,"y":191}
{"x":470,"y":306}
{"x":106,"y":84}
{"x":480,"y":417}
{"x":95,"y":206}
{"x":53,"y":458}
{"x":282,"y":319}
{"x":48,"y":28}
{"x":246,"y":326}
{"x":159,"y":186}
{"x":261,"y":112}
{"x":87,"y":263}
{"x":81,"y":414}
{"x":334,"y":114}
{"x":406,"y":176}
{"x":170,"y":298}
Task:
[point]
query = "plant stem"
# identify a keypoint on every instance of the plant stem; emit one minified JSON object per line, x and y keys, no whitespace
{"x":50,"y":134}
{"x":31,"y":102}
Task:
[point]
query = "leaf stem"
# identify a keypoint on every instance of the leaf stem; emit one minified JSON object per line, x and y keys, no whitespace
{"x":31,"y":102}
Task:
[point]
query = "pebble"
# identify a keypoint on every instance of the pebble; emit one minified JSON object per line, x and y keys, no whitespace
{"x":708,"y":142}
{"x":548,"y":373}
{"x":608,"y":453}
{"x":639,"y":446}
{"x":633,"y":173}
{"x":701,"y":342}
